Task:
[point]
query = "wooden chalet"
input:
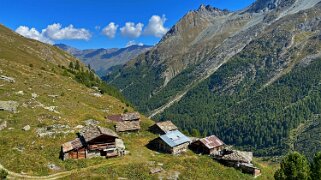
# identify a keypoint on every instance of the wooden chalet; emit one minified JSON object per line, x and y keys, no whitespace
{"x":94,"y":141}
{"x":173,"y":142}
{"x":163,"y":127}
{"x":126,"y":122}
{"x":208,"y":145}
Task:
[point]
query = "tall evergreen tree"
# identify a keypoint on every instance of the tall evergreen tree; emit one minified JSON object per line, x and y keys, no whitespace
{"x":71,"y":65}
{"x":316,"y":167}
{"x":77,"y":65}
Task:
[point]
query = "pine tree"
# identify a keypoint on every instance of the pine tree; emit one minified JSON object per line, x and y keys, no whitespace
{"x":71,"y":65}
{"x":77,"y":66}
{"x":316,"y":166}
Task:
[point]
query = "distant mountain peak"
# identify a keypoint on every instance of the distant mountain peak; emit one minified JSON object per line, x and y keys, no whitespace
{"x":212,"y":10}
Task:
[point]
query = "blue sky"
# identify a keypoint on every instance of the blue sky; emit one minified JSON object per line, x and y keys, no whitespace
{"x":88,"y":19}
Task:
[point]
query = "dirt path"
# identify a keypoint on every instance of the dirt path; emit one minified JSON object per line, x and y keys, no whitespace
{"x":13,"y":175}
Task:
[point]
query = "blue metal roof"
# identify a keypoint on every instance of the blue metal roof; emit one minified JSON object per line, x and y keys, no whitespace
{"x":174,"y":138}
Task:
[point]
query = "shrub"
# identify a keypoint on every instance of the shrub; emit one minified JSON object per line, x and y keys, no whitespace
{"x":293,"y":166}
{"x":3,"y":174}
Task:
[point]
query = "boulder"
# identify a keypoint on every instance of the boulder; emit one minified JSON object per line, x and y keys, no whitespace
{"x":3,"y":125}
{"x":79,"y":127}
{"x":20,"y":93}
{"x":8,"y":79}
{"x":91,"y":122}
{"x":54,"y":167}
{"x":9,"y":106}
{"x":156,"y":170}
{"x":34,"y":95}
{"x":97,"y":94}
{"x":26,"y":128}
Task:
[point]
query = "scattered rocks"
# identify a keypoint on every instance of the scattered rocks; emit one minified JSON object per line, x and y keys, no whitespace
{"x":127,"y":152}
{"x":26,"y":128}
{"x":160,"y":164}
{"x":51,"y":131}
{"x":8,"y":79}
{"x":91,"y":122}
{"x":105,"y":110}
{"x":9,"y":106}
{"x":53,"y":167}
{"x":53,"y":96}
{"x":32,"y":103}
{"x":97,"y":94}
{"x":43,"y":117}
{"x":3,"y":125}
{"x":19,"y":148}
{"x":174,"y":175}
{"x":51,"y":108}
{"x":122,"y":178}
{"x":20,"y":93}
{"x":79,"y":127}
{"x":34,"y":95}
{"x":156,"y":170}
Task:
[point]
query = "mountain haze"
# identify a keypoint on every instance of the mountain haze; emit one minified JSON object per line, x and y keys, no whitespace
{"x":250,"y":76}
{"x":103,"y":60}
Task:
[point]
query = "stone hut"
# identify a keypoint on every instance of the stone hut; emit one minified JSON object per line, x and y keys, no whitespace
{"x":93,"y":141}
{"x":163,"y":127}
{"x":126,"y":122}
{"x":173,"y":142}
{"x":208,"y":145}
{"x":240,"y":160}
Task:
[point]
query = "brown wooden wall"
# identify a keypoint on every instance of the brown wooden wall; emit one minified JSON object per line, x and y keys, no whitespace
{"x":78,"y":154}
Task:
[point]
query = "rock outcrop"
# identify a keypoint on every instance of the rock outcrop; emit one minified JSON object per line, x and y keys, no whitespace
{"x":10,"y":106}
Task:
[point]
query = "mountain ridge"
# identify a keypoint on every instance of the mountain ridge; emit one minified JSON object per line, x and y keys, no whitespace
{"x":103,"y":60}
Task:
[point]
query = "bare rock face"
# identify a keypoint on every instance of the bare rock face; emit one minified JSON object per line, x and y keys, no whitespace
{"x":262,"y":5}
{"x":10,"y":106}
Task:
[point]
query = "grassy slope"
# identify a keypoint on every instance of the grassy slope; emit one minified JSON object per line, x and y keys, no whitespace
{"x":75,"y":104}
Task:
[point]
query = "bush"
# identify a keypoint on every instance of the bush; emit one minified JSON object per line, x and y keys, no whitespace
{"x":3,"y":174}
{"x":293,"y":166}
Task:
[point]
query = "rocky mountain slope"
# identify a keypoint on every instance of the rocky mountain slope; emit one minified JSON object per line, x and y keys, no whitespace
{"x":44,"y":102}
{"x":104,"y":60}
{"x":247,"y":75}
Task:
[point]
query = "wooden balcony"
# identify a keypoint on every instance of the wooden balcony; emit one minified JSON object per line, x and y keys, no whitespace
{"x":102,"y":146}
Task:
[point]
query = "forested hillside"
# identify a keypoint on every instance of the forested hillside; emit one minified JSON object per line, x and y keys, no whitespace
{"x":254,"y":81}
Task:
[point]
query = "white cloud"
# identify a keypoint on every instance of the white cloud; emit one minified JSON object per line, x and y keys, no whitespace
{"x":156,"y":27}
{"x":131,"y":30}
{"x":110,"y":30}
{"x":132,"y":43}
{"x":33,"y":34}
{"x":56,"y":32}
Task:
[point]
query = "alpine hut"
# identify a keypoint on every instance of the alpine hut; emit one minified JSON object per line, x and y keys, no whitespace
{"x":126,"y":122}
{"x":93,"y":141}
{"x":208,"y":145}
{"x":163,"y":127}
{"x":173,"y":142}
